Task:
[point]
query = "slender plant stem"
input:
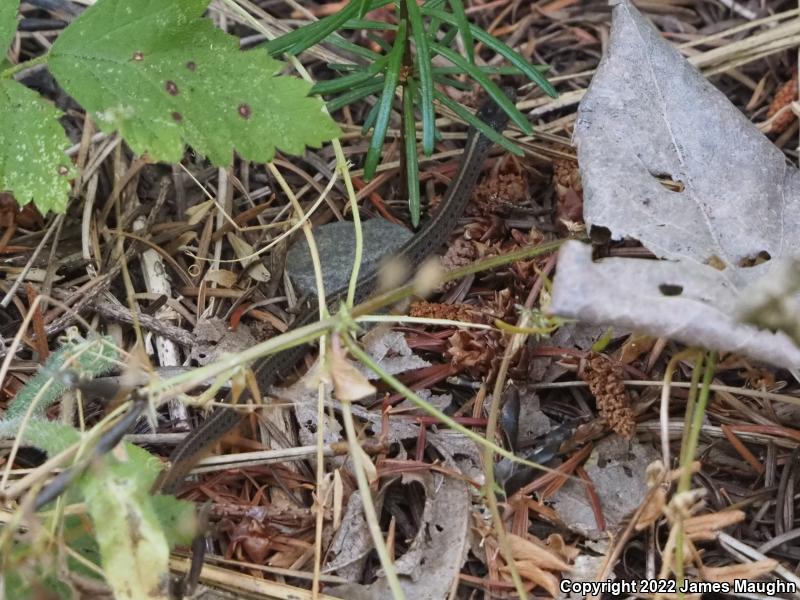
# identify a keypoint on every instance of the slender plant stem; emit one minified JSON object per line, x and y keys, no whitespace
{"x":370,"y":514}
{"x":687,"y":453}
{"x":697,"y":422}
{"x":513,"y":344}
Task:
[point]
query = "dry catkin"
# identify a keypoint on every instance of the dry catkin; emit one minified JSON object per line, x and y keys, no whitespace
{"x":605,"y":382}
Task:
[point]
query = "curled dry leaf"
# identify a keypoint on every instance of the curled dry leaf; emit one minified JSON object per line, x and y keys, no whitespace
{"x":650,"y":124}
{"x":749,"y":571}
{"x":534,"y":560}
{"x":706,"y":527}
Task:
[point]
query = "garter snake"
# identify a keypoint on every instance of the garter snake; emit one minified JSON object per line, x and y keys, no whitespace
{"x":426,"y":240}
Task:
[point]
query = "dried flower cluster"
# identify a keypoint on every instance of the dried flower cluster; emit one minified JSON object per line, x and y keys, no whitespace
{"x":453,"y":312}
{"x":477,"y":351}
{"x":785,"y":95}
{"x":605,"y":382}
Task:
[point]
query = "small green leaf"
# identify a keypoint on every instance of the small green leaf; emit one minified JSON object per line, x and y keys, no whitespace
{"x":462,"y":23}
{"x":491,"y":88}
{"x":497,"y":137}
{"x":356,"y":93}
{"x":301,"y":39}
{"x":369,"y":24}
{"x":338,"y":41}
{"x":33,"y":165}
{"x":349,"y":81}
{"x":163,"y":76}
{"x":423,"y":60}
{"x":412,"y":162}
{"x":603,"y":341}
{"x":178,"y":519}
{"x":385,"y":110}
{"x":369,"y":120}
{"x":8,"y":23}
{"x":511,"y":55}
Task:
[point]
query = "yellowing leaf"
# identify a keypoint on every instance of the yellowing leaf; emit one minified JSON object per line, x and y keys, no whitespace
{"x":133,"y":529}
{"x":162,"y":75}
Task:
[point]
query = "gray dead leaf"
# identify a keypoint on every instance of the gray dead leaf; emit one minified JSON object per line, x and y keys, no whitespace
{"x":616,"y":467}
{"x":649,"y":115}
{"x":214,"y":338}
{"x":437,"y":553}
{"x":630,"y":293}
{"x":336,"y":247}
{"x":352,"y":542}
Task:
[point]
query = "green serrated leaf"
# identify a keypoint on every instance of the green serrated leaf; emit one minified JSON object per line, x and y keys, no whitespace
{"x":33,"y":165}
{"x":8,"y":23}
{"x":163,"y":76}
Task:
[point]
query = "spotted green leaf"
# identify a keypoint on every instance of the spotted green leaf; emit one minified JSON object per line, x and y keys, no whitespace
{"x":163,"y":76}
{"x":8,"y":23}
{"x":33,"y":165}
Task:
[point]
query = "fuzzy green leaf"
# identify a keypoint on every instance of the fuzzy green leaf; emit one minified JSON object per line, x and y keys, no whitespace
{"x":80,"y":357}
{"x":8,"y":23}
{"x":163,"y":76}
{"x":33,"y":165}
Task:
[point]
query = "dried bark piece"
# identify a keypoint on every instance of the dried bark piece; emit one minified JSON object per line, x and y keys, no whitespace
{"x":605,"y":382}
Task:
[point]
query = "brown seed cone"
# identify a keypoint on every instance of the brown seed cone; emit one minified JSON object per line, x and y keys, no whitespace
{"x":605,"y":382}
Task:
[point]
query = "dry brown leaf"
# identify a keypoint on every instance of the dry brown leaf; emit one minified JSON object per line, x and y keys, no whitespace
{"x":654,"y":509}
{"x":531,"y":572}
{"x":523,"y":550}
{"x":246,"y":253}
{"x":198,"y":212}
{"x":221,"y":277}
{"x":752,"y":570}
{"x":568,"y":552}
{"x":348,"y":383}
{"x":706,"y":526}
{"x":634,"y":347}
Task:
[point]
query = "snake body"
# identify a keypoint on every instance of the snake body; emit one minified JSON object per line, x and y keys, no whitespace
{"x":427,"y":239}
